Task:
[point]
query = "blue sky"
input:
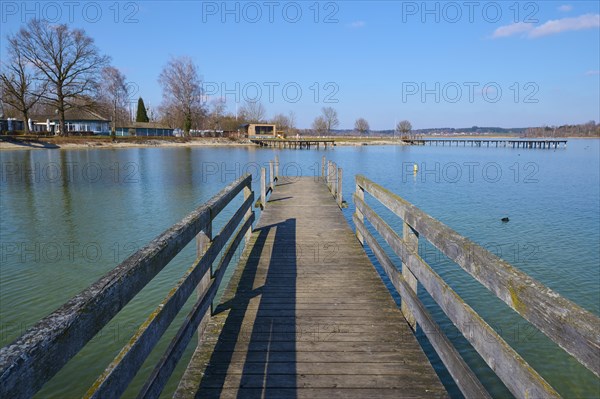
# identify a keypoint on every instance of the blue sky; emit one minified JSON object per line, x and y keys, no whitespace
{"x":437,"y":64}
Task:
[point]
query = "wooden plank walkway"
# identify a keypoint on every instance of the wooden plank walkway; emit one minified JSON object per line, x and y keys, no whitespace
{"x":306,"y":315}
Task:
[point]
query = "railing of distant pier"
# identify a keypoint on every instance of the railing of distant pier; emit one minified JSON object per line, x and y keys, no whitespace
{"x":574,"y":329}
{"x":34,"y":358}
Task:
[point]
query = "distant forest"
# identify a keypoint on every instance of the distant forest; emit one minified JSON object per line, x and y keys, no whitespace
{"x":590,"y":129}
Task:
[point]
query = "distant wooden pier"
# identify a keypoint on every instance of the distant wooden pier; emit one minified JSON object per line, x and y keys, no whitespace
{"x":294,"y":143}
{"x":511,"y":143}
{"x":305,"y":314}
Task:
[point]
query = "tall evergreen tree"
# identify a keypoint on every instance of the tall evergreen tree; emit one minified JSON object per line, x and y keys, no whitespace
{"x":141,"y":116}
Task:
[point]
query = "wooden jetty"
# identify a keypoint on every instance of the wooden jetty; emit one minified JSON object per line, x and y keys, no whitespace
{"x":294,"y":143}
{"x":305,"y":314}
{"x":512,"y":143}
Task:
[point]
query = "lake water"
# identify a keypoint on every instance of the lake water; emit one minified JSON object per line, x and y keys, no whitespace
{"x":68,"y":217}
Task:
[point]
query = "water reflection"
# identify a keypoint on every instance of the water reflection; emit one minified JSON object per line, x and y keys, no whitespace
{"x":99,"y":205}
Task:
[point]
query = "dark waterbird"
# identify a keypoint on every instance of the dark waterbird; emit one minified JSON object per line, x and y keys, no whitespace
{"x":505,"y":219}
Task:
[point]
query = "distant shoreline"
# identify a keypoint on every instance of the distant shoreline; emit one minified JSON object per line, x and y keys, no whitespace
{"x":69,"y":143}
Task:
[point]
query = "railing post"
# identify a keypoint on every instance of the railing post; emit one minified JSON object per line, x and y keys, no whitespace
{"x":334,"y":171}
{"x":360,"y":194}
{"x":331,"y":177}
{"x":339,"y":187}
{"x":328,"y":177}
{"x":271,"y":175}
{"x":323,"y":167}
{"x":248,"y":193}
{"x":203,"y":240}
{"x":411,"y":238}
{"x":277,"y":167}
{"x":263,"y":188}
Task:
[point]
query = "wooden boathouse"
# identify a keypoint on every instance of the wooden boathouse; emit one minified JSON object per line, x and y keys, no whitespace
{"x":305,"y":313}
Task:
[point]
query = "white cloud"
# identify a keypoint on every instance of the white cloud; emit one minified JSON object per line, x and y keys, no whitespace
{"x":587,"y":21}
{"x":565,"y":8}
{"x":512,"y":29}
{"x":592,"y":73}
{"x":357,"y":24}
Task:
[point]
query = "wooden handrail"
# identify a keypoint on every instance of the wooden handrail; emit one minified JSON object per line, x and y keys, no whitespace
{"x":567,"y":324}
{"x":163,"y":370}
{"x":512,"y":369}
{"x":466,"y":380}
{"x":116,"y":377}
{"x":35,"y":357}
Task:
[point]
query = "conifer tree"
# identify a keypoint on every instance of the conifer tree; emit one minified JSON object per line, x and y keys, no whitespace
{"x":141,"y":115}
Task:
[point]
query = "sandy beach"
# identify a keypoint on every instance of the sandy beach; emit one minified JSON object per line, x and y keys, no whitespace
{"x":67,"y":143}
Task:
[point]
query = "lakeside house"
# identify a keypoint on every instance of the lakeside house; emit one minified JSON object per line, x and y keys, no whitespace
{"x":10,"y":125}
{"x":87,"y":122}
{"x":260,"y":130}
{"x":144,"y":129}
{"x":77,"y":120}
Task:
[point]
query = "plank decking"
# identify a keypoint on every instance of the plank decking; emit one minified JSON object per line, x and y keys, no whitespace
{"x":306,"y":315}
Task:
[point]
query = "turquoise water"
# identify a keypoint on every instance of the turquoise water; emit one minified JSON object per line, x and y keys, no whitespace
{"x":67,"y":217}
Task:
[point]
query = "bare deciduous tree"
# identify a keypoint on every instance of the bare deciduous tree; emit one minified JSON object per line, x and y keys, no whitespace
{"x":68,"y":59}
{"x":292,"y":122}
{"x":320,"y":125}
{"x":114,"y":93}
{"x":361,"y":125}
{"x":404,"y":127}
{"x":253,"y":112}
{"x":174,"y":117}
{"x":182,"y":90}
{"x":217,"y":113}
{"x":21,"y":86}
{"x":331,"y":118}
{"x":282,"y":122}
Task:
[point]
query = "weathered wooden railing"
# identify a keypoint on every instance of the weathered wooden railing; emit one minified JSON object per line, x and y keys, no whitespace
{"x":34,"y":358}
{"x":574,"y":329}
{"x":267,"y":186}
{"x":333,"y":175}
